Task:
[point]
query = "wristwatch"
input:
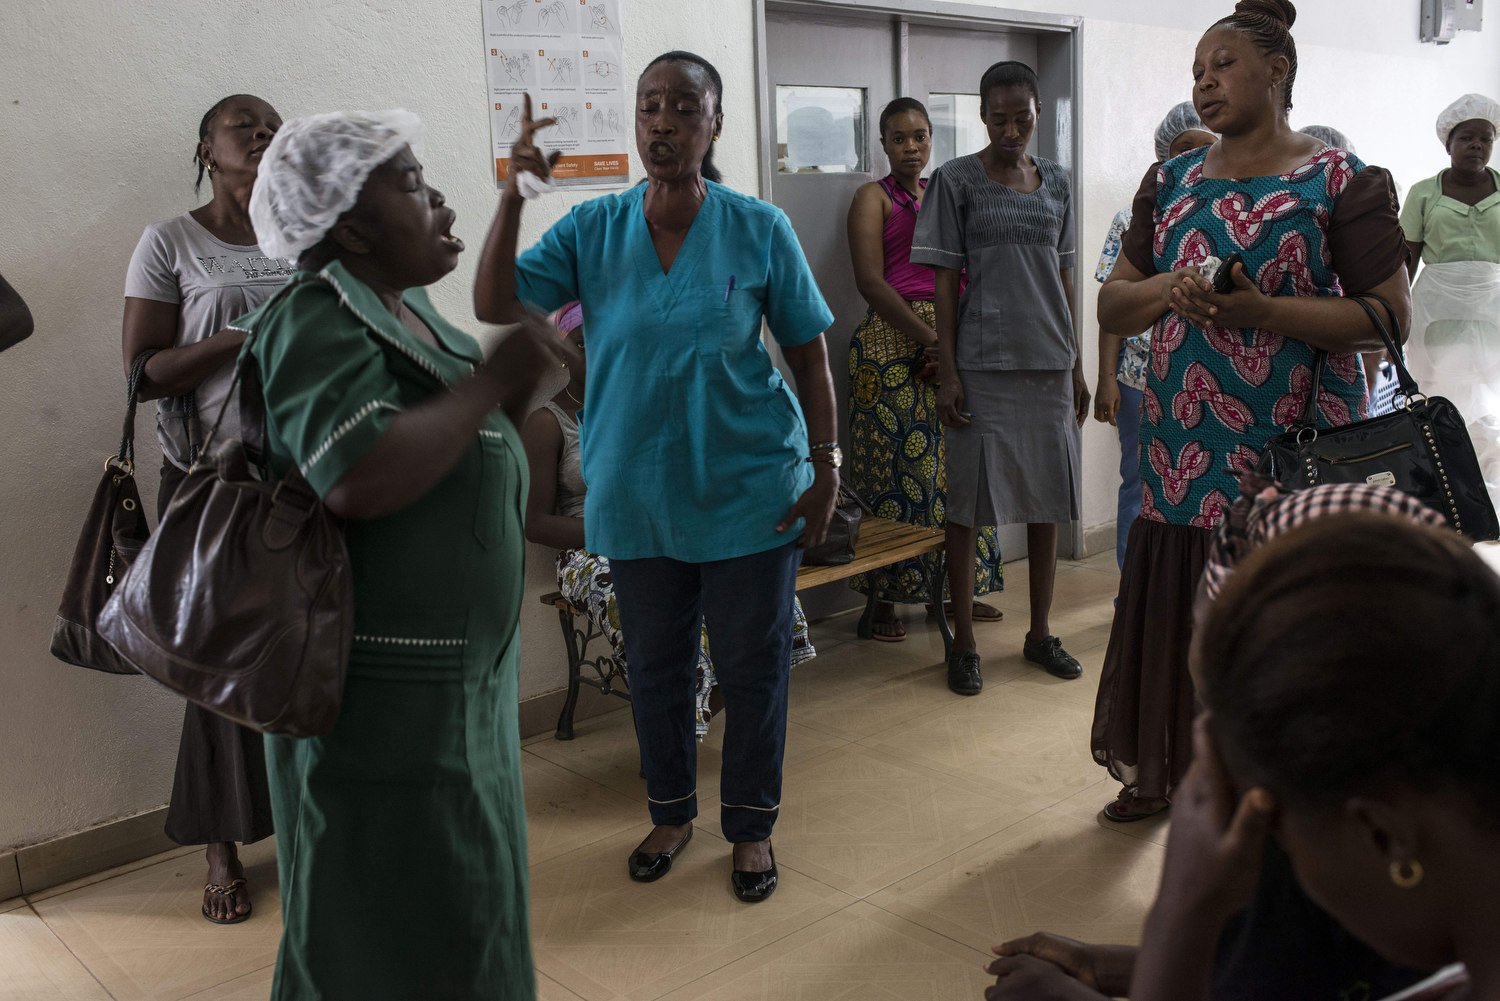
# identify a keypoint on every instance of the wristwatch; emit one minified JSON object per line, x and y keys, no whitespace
{"x":831,"y":454}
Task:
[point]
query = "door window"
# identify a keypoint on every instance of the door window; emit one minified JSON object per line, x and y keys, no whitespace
{"x":956,"y":127}
{"x":821,"y":130}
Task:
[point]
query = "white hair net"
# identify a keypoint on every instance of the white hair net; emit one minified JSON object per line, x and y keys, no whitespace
{"x":1183,"y":118}
{"x":1465,"y":109}
{"x":314,"y":169}
{"x":1330,"y":136}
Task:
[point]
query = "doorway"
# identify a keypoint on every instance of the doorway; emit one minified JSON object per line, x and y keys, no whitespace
{"x":827,"y":68}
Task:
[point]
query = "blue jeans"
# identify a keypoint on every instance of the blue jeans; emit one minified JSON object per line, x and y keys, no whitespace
{"x":1128,"y":422}
{"x":746,"y":603}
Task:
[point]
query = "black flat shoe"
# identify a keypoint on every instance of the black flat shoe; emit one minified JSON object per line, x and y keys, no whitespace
{"x":648,"y":867}
{"x":753,"y":887}
{"x":1056,"y":661}
{"x":963,"y":673}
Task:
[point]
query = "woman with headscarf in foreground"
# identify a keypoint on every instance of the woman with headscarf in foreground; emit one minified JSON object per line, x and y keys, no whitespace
{"x":402,"y":851}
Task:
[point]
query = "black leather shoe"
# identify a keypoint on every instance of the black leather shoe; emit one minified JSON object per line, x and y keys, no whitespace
{"x":648,"y":867}
{"x":963,"y":673}
{"x":753,"y":887}
{"x":1049,"y":653}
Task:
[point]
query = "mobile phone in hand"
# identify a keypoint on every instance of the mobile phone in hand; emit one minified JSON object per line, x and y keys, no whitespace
{"x":1223,"y":281}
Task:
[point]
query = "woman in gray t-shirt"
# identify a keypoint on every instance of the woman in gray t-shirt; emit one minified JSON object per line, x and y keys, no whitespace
{"x":188,"y":279}
{"x":1011,"y":391}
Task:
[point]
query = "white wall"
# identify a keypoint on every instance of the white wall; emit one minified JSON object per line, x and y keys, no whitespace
{"x":98,"y":105}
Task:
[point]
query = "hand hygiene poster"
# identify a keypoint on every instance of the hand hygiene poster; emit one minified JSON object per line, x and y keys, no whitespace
{"x":566,"y":54}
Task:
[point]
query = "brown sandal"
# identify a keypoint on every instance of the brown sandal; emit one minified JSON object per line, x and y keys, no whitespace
{"x":1113,"y":813}
{"x":235,"y":886}
{"x":982,"y":612}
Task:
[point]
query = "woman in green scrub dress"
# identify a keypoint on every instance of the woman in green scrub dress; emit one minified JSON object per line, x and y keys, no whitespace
{"x":402,"y":851}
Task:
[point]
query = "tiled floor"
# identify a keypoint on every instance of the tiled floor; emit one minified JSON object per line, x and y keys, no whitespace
{"x":917,"y":829}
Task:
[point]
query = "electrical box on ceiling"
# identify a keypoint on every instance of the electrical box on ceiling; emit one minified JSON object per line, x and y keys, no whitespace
{"x":1442,"y":19}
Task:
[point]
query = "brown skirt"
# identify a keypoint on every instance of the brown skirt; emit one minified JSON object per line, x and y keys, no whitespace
{"x":220,"y":791}
{"x":1143,"y":719}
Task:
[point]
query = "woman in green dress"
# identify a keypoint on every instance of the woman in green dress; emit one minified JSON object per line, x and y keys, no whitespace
{"x":402,"y":852}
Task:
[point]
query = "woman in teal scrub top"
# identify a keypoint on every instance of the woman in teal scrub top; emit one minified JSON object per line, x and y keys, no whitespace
{"x":702,"y":486}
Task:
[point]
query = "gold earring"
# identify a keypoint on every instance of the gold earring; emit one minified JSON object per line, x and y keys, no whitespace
{"x":716,"y":138}
{"x":1407,"y":875}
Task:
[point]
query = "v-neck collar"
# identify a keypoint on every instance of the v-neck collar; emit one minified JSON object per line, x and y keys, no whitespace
{"x":1484,"y":204}
{"x":365,"y":304}
{"x":671,"y":284}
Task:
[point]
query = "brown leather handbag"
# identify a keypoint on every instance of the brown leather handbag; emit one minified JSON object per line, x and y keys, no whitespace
{"x":243,"y":600}
{"x":113,"y":535}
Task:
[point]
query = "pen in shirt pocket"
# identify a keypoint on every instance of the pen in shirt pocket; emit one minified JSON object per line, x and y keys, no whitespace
{"x":729,"y":288}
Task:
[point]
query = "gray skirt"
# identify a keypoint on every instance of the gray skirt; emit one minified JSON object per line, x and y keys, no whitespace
{"x":1018,"y":461}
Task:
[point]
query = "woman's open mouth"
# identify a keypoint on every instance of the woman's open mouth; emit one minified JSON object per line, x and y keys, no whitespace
{"x":449,"y":240}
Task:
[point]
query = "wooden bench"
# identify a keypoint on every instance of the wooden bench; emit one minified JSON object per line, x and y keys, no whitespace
{"x":882,"y":542}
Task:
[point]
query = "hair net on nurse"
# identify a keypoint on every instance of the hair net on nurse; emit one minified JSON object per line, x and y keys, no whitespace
{"x":1183,"y":118}
{"x":1465,"y":109}
{"x":314,"y":169}
{"x":1329,"y":136}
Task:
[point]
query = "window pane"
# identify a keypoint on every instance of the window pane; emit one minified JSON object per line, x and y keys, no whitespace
{"x":820,"y":130}
{"x":956,"y":128}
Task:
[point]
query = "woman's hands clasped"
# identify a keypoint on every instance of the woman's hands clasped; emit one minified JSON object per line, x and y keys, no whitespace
{"x":529,"y":360}
{"x":1191,"y":297}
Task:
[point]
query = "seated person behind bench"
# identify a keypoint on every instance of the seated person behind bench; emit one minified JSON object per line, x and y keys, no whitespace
{"x":554,"y":517}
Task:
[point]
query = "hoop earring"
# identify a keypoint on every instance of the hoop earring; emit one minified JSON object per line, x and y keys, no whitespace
{"x":1407,"y":875}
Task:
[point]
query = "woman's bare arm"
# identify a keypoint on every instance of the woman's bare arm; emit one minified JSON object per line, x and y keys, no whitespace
{"x":867,"y":217}
{"x":543,"y":439}
{"x":172,"y":371}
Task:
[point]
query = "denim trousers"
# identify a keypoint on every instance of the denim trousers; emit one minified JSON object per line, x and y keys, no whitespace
{"x":746,"y":605}
{"x":1128,"y":423}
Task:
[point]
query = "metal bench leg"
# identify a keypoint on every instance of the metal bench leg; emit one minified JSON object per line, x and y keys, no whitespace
{"x":866,"y":628}
{"x":934,"y":571}
{"x":575,"y":659}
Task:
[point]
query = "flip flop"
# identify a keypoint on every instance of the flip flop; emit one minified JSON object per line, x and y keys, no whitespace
{"x":895,"y":637}
{"x":234,"y":887}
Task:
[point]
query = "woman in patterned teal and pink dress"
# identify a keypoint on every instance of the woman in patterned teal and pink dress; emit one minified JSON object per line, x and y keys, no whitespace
{"x":1228,"y":371}
{"x":897,"y":462}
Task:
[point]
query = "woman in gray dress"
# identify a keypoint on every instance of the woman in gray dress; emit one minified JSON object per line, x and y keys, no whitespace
{"x":1011,"y":387}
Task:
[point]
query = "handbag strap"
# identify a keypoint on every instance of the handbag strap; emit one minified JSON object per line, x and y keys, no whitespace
{"x":253,"y":416}
{"x":125,"y":454}
{"x":1409,"y":388}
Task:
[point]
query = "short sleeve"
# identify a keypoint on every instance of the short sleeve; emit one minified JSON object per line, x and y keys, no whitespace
{"x":1067,"y":246}
{"x":1140,"y":236}
{"x":1364,"y":233}
{"x":547,"y":272}
{"x":938,"y":240}
{"x":329,"y":395}
{"x":1414,"y":214}
{"x":151,"y":275}
{"x":795,"y":309}
{"x":1111,"y":251}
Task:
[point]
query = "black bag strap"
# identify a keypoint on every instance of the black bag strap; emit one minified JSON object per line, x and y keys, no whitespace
{"x":125,"y":454}
{"x":253,"y":415}
{"x":1309,"y":418}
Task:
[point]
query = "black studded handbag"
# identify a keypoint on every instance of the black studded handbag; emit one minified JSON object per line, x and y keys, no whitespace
{"x":1422,"y":449}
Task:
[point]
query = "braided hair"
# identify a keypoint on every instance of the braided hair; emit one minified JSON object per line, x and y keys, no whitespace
{"x":1354,"y":649}
{"x":208,"y":119}
{"x":1268,"y":23}
{"x":710,"y":172}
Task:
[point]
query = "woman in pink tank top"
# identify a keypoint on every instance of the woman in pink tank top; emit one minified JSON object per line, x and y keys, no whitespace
{"x":897,"y":458}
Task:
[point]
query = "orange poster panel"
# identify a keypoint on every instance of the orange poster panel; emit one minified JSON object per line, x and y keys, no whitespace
{"x":569,"y":167}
